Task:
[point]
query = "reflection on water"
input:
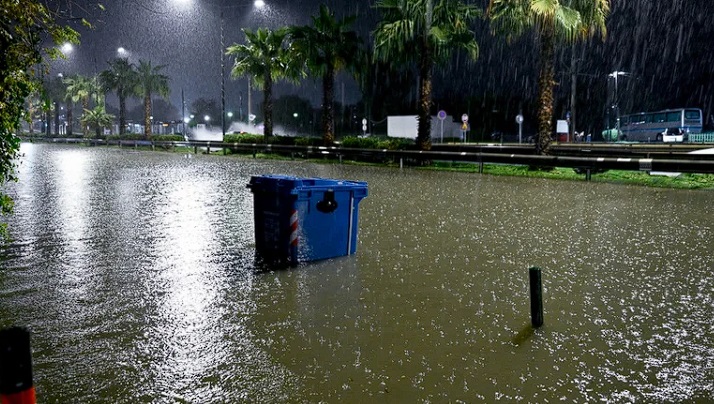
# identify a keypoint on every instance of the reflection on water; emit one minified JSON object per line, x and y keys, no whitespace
{"x":135,"y":273}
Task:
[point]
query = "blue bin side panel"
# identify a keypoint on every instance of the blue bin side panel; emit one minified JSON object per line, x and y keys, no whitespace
{"x":327,"y":235}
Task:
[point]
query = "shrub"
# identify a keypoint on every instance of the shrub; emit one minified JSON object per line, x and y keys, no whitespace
{"x":377,"y":143}
{"x":396,"y":144}
{"x":282,"y":140}
{"x":128,"y":136}
{"x":309,"y":141}
{"x":168,"y":138}
{"x":360,"y":142}
{"x":244,"y":138}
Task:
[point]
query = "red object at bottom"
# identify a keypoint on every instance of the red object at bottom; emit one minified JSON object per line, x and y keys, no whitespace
{"x":23,"y":397}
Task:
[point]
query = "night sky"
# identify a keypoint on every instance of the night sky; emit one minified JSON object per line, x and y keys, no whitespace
{"x":665,"y":46}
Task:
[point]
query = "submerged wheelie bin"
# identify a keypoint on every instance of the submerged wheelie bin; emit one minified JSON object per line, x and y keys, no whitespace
{"x":305,"y":219}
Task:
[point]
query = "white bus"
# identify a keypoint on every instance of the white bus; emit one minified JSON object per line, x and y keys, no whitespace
{"x":669,"y":125}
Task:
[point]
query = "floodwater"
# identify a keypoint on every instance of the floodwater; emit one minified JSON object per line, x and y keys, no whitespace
{"x":135,"y":273}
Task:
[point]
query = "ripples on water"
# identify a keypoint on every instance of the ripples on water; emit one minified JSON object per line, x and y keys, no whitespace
{"x":135,"y":273}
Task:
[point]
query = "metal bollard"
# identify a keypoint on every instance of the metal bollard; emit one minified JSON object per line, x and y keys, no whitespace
{"x":16,"y":385}
{"x":534,"y":274}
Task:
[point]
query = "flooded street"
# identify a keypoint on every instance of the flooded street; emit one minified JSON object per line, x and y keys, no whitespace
{"x":135,"y":273}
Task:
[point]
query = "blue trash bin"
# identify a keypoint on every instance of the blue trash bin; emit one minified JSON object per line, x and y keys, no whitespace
{"x":305,"y":219}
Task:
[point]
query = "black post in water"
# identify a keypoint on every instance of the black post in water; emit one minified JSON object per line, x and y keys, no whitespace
{"x":536,"y":296}
{"x":16,"y":367}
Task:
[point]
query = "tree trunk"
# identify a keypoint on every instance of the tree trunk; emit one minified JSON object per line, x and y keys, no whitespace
{"x":122,"y":114}
{"x":31,"y":113}
{"x":424,"y":108}
{"x":85,"y":108}
{"x":57,"y":116}
{"x":546,"y":82}
{"x":147,"y":116}
{"x":268,"y":105}
{"x":328,"y":110}
{"x":70,"y":117}
{"x":48,"y":122}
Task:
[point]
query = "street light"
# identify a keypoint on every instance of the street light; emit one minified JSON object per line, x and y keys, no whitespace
{"x":256,"y":4}
{"x":616,"y":105}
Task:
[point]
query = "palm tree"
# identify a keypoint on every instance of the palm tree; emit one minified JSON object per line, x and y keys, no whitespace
{"x":425,"y":31}
{"x":150,"y":81}
{"x":97,"y":119}
{"x":80,"y":89}
{"x":553,"y":21}
{"x":265,"y":58}
{"x":120,"y":77}
{"x":327,"y":47}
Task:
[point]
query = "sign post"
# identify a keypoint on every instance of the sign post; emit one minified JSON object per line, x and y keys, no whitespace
{"x":464,"y":127}
{"x":442,"y":115}
{"x":567,"y":118}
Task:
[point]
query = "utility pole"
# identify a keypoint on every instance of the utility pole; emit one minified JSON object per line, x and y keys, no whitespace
{"x":573,"y":91}
{"x":223,"y":80}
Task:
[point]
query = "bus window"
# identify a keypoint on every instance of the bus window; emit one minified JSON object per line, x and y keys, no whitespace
{"x":637,"y":118}
{"x":649,"y":118}
{"x":659,"y":117}
{"x":692,"y":114}
{"x":674,"y":116}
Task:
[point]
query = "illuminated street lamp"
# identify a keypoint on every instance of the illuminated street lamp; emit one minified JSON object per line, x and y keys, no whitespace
{"x":256,"y":4}
{"x":616,"y":105}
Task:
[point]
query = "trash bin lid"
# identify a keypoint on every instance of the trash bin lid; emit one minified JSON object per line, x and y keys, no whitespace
{"x":286,"y":184}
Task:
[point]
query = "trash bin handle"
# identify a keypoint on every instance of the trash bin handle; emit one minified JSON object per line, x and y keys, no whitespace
{"x":328,"y":204}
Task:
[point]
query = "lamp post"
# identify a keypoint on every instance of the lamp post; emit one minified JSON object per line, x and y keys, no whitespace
{"x":616,"y":105}
{"x":256,"y":4}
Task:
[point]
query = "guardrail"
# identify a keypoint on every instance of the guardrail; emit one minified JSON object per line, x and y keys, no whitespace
{"x":586,"y":165}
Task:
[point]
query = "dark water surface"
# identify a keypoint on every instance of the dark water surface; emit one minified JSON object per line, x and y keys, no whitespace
{"x":135,"y":273}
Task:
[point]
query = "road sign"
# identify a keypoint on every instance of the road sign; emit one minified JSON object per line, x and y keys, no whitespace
{"x":441,"y":115}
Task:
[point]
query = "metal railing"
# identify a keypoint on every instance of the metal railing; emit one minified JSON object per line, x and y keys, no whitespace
{"x":581,"y":163}
{"x":701,"y":137}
